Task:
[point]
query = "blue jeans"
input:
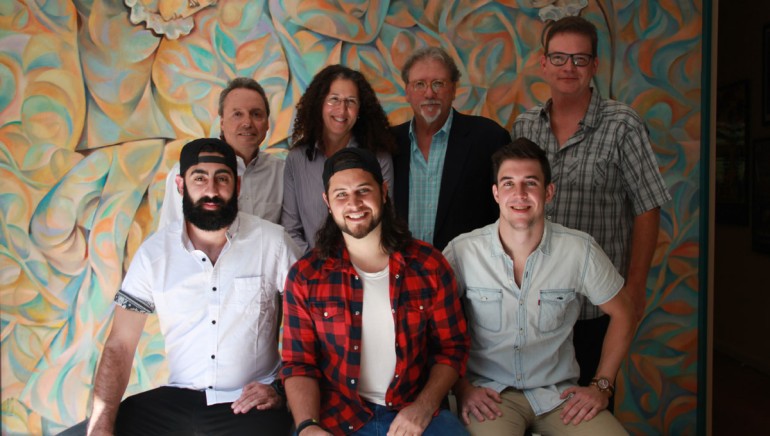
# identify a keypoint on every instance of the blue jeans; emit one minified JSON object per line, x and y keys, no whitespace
{"x":443,"y":424}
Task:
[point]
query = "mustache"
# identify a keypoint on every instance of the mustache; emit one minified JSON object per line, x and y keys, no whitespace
{"x":216,"y":200}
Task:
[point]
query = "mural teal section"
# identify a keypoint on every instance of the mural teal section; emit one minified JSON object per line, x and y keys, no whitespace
{"x":98,"y":96}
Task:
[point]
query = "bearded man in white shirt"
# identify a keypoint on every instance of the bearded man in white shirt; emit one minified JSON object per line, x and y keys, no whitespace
{"x":215,"y":281}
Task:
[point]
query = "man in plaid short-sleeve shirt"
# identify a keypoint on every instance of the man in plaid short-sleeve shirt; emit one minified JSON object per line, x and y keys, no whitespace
{"x":606,"y":175}
{"x":374,"y":333}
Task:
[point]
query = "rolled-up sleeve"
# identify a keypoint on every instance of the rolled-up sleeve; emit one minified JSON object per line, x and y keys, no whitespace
{"x":299,"y":336}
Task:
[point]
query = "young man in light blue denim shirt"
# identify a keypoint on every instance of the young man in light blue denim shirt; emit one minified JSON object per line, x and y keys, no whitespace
{"x":522,"y":280}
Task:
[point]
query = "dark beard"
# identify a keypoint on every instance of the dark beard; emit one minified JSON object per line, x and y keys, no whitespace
{"x":209,"y":220}
{"x":361,"y":232}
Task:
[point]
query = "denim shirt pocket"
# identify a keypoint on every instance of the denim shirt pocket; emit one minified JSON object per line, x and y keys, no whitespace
{"x":553,"y":308}
{"x":486,"y":308}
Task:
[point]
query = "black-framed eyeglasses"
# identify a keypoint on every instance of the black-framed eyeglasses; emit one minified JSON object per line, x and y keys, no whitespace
{"x":558,"y":59}
{"x":335,"y":101}
{"x":422,"y":86}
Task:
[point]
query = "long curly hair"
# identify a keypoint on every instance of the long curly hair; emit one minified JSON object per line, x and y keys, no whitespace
{"x":371,"y":130}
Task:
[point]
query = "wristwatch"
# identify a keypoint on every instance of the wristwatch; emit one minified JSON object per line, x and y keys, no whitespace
{"x":278,"y":387}
{"x":603,"y":384}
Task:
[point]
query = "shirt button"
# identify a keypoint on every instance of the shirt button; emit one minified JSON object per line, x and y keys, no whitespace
{"x":212,"y":356}
{"x":518,"y":377}
{"x":211,"y":387}
{"x":356,"y":277}
{"x":203,"y":259}
{"x":397,"y":276}
{"x":393,"y":310}
{"x":521,"y":302}
{"x":390,"y":404}
{"x":396,"y":375}
{"x":521,"y":330}
{"x":358,"y":313}
{"x":213,"y":321}
{"x":421,"y":307}
{"x":326,"y":314}
{"x":352,"y":381}
{"x":350,"y":427}
{"x":214,"y":289}
{"x":355,"y":347}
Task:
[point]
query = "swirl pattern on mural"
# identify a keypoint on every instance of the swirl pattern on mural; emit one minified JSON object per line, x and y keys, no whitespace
{"x":94,"y":110}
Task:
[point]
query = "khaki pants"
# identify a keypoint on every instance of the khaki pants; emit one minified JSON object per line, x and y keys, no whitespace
{"x":518,"y":416}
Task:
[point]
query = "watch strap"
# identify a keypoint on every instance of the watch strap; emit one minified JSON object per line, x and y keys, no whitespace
{"x":277,"y":385}
{"x":307,"y":423}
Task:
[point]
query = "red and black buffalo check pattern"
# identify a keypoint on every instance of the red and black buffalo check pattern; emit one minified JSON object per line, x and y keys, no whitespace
{"x":322,"y":329}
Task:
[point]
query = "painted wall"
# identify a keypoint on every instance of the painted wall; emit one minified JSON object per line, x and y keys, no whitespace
{"x":94,"y":110}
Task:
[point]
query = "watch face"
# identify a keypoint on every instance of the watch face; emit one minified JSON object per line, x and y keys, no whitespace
{"x":603,"y":383}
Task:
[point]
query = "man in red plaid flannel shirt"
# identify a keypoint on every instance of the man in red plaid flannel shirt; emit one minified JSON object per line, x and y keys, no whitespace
{"x":374,"y":334}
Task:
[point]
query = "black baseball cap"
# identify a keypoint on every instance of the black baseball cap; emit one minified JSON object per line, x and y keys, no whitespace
{"x":191,"y":151}
{"x":350,"y":158}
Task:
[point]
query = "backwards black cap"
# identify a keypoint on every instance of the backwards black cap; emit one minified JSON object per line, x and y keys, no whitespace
{"x":350,"y":158}
{"x":190,"y":154}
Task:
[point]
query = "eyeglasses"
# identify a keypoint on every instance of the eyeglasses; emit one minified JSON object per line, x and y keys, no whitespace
{"x":422,"y":86}
{"x":558,"y":59}
{"x":335,"y":101}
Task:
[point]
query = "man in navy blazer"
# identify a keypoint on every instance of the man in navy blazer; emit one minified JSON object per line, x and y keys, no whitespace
{"x":443,"y":168}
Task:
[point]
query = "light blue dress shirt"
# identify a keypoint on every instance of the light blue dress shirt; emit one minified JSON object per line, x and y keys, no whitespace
{"x":521,"y":336}
{"x":425,"y":181}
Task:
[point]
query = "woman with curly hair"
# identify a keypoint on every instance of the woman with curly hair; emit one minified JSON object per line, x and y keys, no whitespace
{"x":339,"y":109}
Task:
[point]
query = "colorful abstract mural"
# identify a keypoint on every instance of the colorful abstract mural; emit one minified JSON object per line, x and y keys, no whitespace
{"x":98,"y":96}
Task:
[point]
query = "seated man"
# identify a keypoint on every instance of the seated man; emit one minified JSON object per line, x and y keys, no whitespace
{"x":374,"y":334}
{"x":522,"y":280}
{"x":214,"y":280}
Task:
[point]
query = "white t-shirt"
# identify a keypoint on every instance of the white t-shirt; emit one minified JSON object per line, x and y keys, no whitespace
{"x":378,"y":337}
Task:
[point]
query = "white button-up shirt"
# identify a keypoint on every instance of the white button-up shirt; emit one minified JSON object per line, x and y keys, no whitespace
{"x":219,"y":321}
{"x":261,"y":190}
{"x":521,"y":336}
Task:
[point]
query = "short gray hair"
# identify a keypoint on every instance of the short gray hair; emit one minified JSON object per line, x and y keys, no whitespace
{"x":242,"y":83}
{"x":435,"y":53}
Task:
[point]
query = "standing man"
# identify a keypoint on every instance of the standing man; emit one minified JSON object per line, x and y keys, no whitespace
{"x":214,"y":281}
{"x":374,"y":334}
{"x":607,"y":178}
{"x":522,"y":280}
{"x":244,"y":120}
{"x":442,"y":164}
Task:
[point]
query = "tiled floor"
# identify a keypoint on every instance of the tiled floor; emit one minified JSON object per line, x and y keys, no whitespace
{"x":741,"y":399}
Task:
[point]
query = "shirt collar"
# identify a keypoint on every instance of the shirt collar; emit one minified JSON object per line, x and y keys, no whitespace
{"x":230,"y":234}
{"x":341,"y":261}
{"x":444,"y":130}
{"x":242,"y":165}
{"x":312,"y":152}
{"x":592,"y":118}
{"x":544,"y":246}
{"x":593,"y":114}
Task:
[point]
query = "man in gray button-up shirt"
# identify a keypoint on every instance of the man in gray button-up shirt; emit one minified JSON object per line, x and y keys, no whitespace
{"x":522,"y":280}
